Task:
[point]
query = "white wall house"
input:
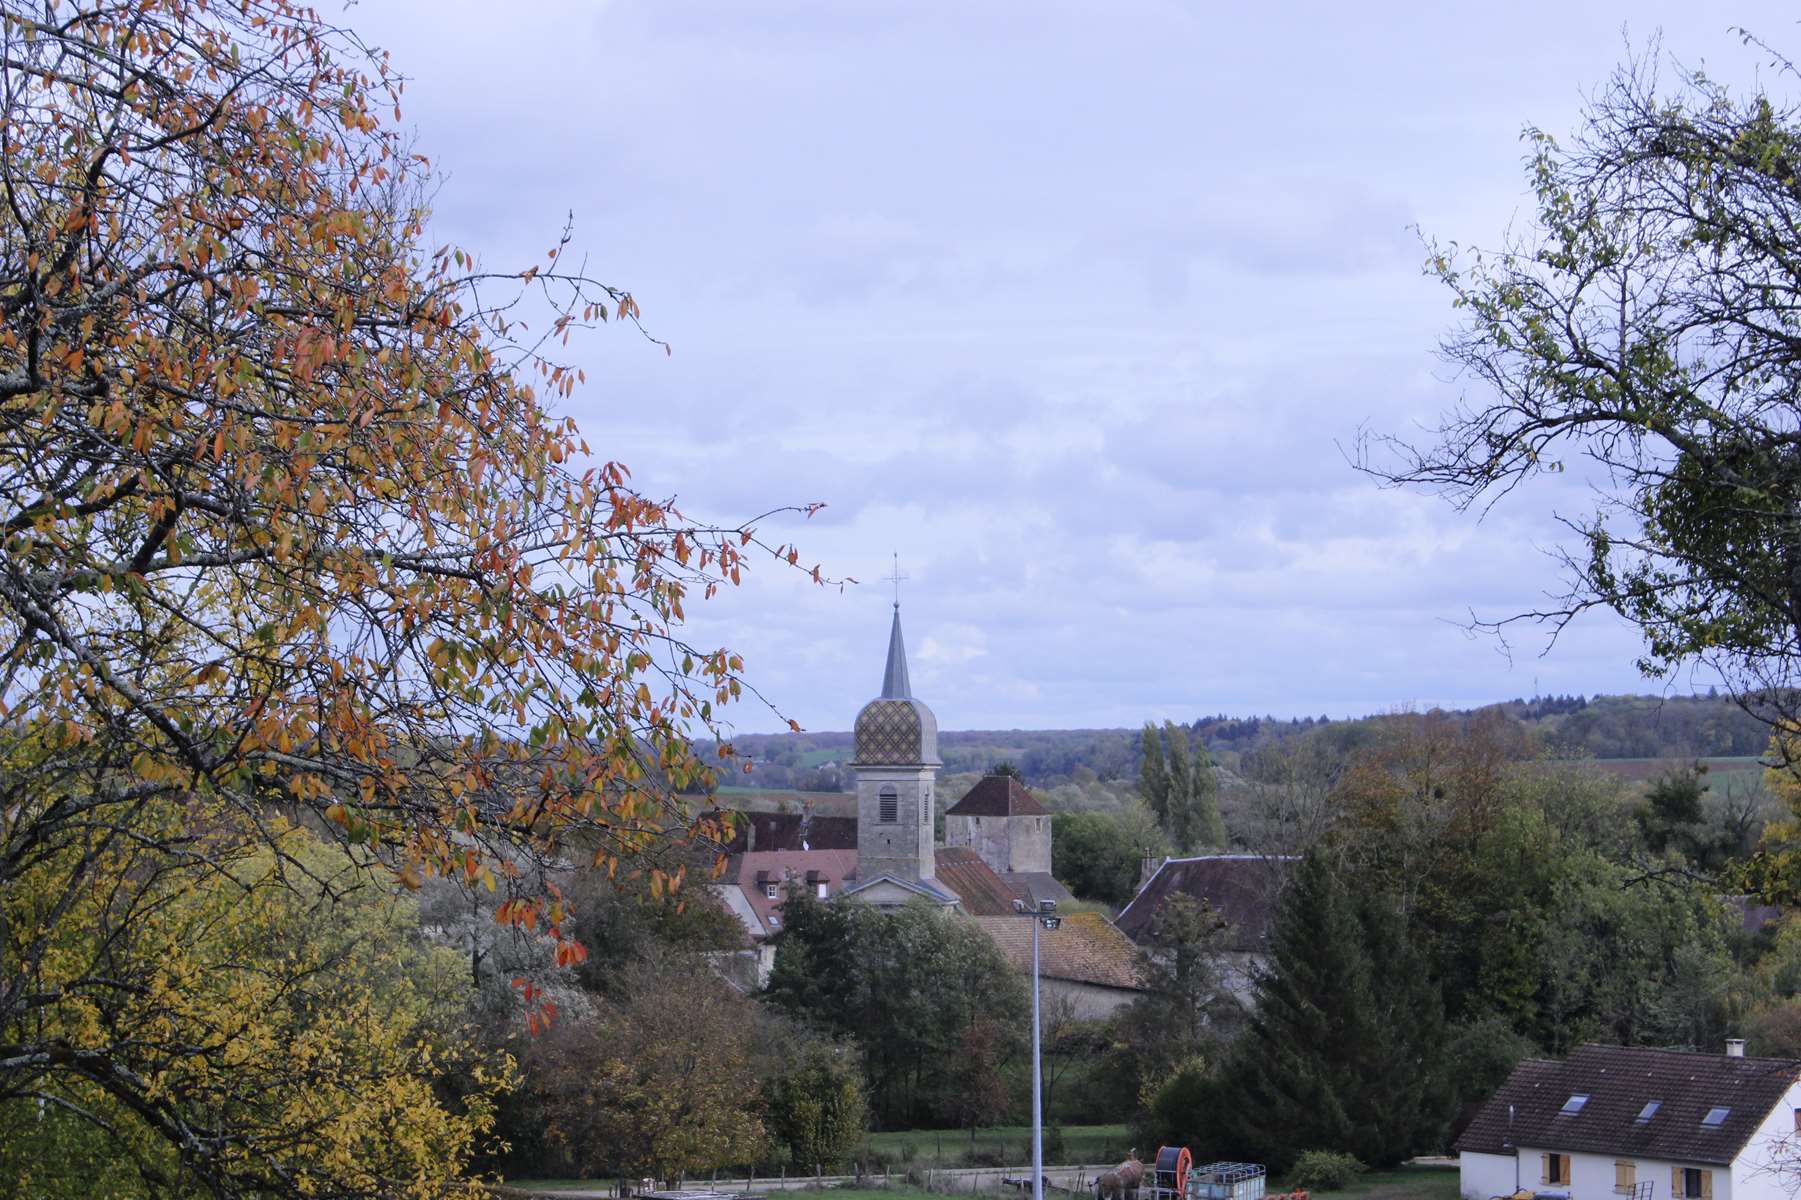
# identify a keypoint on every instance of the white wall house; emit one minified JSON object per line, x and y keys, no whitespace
{"x":1623,"y":1123}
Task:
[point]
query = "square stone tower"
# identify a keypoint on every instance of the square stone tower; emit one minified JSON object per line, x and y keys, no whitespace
{"x":1002,"y":822}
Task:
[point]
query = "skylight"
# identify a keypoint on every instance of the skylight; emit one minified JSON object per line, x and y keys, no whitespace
{"x":1573,"y":1105}
{"x":1716,"y":1117}
{"x":1648,"y":1111}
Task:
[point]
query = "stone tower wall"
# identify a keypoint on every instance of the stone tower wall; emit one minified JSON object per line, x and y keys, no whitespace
{"x":901,"y":848}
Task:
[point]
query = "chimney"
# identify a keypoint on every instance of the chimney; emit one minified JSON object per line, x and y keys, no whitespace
{"x":1735,"y":1047}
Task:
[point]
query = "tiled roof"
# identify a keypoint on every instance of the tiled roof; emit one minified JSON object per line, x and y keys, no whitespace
{"x":756,"y":867}
{"x":1085,"y":948}
{"x":1242,"y":888}
{"x":761,"y":831}
{"x":1037,"y":885}
{"x":983,"y":893}
{"x":997,"y":796}
{"x":1620,"y":1082}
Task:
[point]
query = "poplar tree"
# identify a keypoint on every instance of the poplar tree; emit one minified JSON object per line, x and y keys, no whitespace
{"x":1153,"y":776}
{"x":1179,"y":812}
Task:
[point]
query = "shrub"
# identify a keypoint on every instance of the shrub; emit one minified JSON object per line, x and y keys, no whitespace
{"x":1324,"y":1170}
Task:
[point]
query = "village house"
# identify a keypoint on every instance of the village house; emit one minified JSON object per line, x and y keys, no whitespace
{"x":1242,"y":889}
{"x":1611,"y":1121}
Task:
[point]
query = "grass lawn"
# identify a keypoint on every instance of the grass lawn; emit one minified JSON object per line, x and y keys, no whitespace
{"x":951,"y":1147}
{"x":1401,"y":1183}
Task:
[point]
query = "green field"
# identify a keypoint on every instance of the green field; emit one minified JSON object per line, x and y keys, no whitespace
{"x":1642,"y":770}
{"x":952,"y":1147}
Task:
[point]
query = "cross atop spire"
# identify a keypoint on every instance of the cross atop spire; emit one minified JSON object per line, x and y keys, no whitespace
{"x":896,"y":579}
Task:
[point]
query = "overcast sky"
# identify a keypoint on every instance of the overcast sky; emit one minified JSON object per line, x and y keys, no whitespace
{"x":1070,"y":305}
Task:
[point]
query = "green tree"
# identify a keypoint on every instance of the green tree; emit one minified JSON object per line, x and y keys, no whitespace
{"x":817,"y":1112}
{"x":1153,"y":773}
{"x":1645,"y":322}
{"x":1099,"y":855}
{"x":1180,"y":787}
{"x":1343,"y":1049}
{"x":1672,"y":817}
{"x":907,"y":985}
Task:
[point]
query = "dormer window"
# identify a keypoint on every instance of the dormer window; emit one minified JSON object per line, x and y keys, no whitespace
{"x":1716,"y":1117}
{"x":1573,"y":1105}
{"x":1648,"y":1111}
{"x":888,"y":806}
{"x":769,"y":891}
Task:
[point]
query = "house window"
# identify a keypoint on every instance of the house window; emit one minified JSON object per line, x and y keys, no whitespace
{"x":889,"y":806}
{"x":1691,"y":1183}
{"x":769,"y":891}
{"x":1573,"y":1105}
{"x":1625,"y":1176}
{"x":824,"y":890}
{"x":775,"y":922}
{"x":1716,"y":1117}
{"x":1554,"y":1169}
{"x":1650,"y":1110}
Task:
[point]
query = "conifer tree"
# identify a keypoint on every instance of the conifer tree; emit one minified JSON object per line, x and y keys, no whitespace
{"x":1281,"y":1092}
{"x":1343,"y":1049}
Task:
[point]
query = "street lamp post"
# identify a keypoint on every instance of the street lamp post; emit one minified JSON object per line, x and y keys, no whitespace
{"x":1041,"y":914}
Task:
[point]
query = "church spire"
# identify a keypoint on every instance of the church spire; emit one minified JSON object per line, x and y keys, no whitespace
{"x":895,"y":685}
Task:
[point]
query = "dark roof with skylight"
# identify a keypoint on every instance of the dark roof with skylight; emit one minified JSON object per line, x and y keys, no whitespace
{"x":1658,"y":1104}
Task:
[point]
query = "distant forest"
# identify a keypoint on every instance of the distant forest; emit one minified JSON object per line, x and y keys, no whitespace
{"x":1600,"y":727}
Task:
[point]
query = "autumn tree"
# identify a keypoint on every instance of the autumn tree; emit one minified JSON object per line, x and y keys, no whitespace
{"x":657,"y":1082}
{"x":289,"y":525}
{"x":289,"y":1031}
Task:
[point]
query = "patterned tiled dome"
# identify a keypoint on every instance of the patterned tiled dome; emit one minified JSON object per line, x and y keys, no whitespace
{"x":896,"y":732}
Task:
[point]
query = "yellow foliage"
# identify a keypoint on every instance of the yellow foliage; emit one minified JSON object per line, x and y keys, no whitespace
{"x":287,"y":1042}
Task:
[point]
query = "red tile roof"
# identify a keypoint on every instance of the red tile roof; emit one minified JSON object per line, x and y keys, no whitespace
{"x":756,"y":867}
{"x":1620,"y":1082}
{"x":983,"y":892}
{"x":1084,"y":948}
{"x":997,"y":796}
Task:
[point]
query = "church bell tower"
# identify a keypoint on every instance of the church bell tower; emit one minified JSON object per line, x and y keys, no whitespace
{"x":897,"y":765}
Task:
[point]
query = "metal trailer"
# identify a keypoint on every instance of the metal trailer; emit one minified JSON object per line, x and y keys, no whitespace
{"x":1225,"y":1181}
